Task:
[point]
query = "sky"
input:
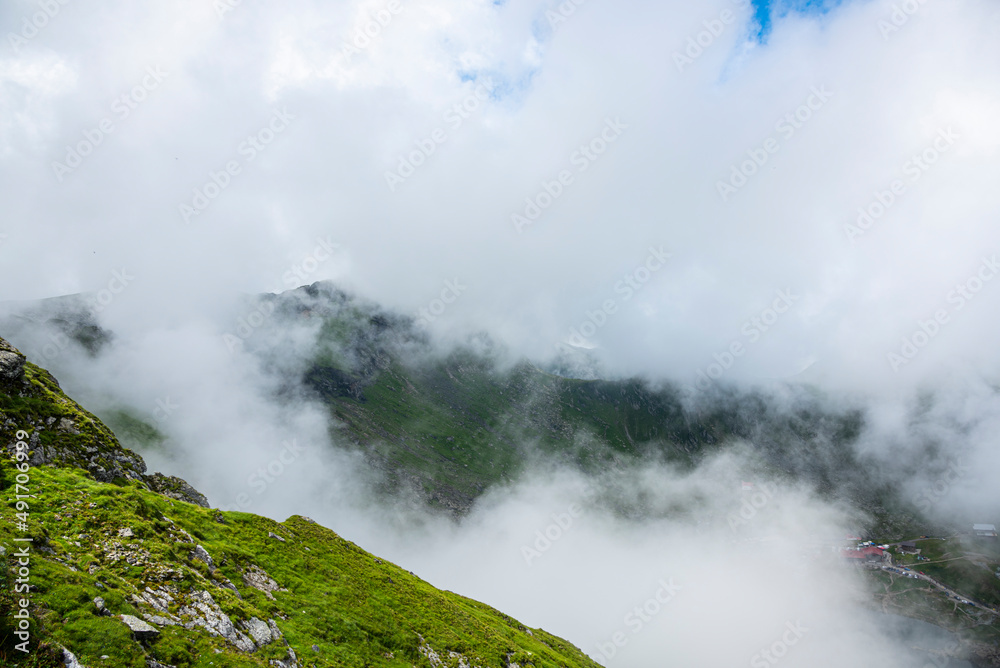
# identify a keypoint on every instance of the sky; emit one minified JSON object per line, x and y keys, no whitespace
{"x":682,"y":190}
{"x":319,"y":123}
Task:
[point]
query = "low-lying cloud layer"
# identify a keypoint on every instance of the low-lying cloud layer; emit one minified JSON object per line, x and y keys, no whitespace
{"x":643,"y":181}
{"x":640,"y":564}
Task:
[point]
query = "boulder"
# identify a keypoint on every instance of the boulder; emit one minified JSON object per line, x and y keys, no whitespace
{"x":70,"y":660}
{"x":101,"y":610}
{"x":259,"y":631}
{"x":11,"y":364}
{"x":175,"y":488}
{"x":140,"y":629}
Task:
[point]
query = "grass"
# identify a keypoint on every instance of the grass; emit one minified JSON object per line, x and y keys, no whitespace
{"x":356,"y":609}
{"x":339,"y":605}
{"x":963,"y":563}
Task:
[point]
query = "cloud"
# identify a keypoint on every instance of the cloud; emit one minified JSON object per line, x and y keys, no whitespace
{"x":821,"y":201}
{"x":553,"y":85}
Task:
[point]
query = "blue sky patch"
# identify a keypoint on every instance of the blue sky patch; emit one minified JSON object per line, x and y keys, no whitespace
{"x":767,"y":10}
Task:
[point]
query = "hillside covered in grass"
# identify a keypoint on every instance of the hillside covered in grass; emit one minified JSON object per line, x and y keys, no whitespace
{"x":128,"y":569}
{"x":452,"y":423}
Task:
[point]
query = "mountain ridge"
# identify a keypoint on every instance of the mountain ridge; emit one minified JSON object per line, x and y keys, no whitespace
{"x":125,"y":570}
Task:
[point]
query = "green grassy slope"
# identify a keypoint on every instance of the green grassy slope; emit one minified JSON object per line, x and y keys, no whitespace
{"x":455,"y":425}
{"x":292,"y":592}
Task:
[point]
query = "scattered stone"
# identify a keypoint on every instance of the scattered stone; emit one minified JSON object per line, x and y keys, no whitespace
{"x":152,"y":663}
{"x":101,"y":610}
{"x":315,"y":648}
{"x":140,"y":629}
{"x":125,"y":533}
{"x":271,"y":534}
{"x":67,"y":425}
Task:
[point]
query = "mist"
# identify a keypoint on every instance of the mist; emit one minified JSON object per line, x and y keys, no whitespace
{"x":642,"y":561}
{"x":806,"y":208}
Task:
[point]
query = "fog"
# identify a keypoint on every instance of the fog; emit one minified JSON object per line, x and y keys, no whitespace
{"x":584,"y":195}
{"x":639,"y":564}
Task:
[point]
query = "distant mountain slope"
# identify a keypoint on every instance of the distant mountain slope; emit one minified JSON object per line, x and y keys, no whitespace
{"x":454,"y":425}
{"x":122,"y":575}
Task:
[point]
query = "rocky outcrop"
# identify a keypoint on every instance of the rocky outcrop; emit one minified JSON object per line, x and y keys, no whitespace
{"x":81,"y":440}
{"x":257,"y":577}
{"x":262,"y":633}
{"x":176,"y":488}
{"x":202,"y":555}
{"x":11,"y":365}
{"x":205,"y":612}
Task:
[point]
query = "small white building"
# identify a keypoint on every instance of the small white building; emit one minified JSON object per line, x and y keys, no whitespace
{"x":985,"y":530}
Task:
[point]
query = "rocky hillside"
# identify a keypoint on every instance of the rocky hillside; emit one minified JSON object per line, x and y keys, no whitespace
{"x":130,"y":569}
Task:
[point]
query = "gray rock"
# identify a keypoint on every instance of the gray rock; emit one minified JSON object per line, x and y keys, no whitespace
{"x":11,"y":366}
{"x":271,"y":534}
{"x":225,"y":582}
{"x":152,"y":663}
{"x":70,"y":659}
{"x":201,"y":554}
{"x":290,"y":661}
{"x":257,"y":577}
{"x":175,"y":488}
{"x":140,"y":629}
{"x":160,"y":620}
{"x":259,"y":631}
{"x":67,"y":425}
{"x":101,"y":610}
{"x":159,"y":599}
{"x":206,"y":613}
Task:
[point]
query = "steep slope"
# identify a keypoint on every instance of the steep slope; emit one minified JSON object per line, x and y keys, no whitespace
{"x":122,"y":572}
